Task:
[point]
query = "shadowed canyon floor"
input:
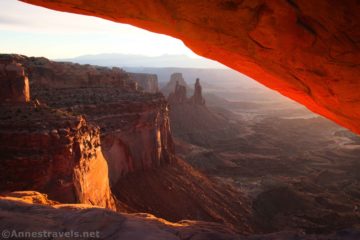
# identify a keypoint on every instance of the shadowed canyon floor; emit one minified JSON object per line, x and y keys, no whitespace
{"x":298,"y":170}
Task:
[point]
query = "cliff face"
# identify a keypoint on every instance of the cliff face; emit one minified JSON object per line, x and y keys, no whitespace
{"x":135,"y":130}
{"x":14,"y":85}
{"x":308,"y":51}
{"x":144,"y":145}
{"x":125,"y":144}
{"x":53,"y":152}
{"x":45,"y":73}
{"x":148,"y":82}
{"x":129,"y":119}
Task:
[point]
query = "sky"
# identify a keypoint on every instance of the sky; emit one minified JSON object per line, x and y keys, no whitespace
{"x":36,"y":31}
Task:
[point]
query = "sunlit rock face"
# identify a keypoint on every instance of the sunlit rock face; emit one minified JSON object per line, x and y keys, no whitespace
{"x":44,"y":148}
{"x":129,"y":119}
{"x":140,"y":141}
{"x":53,"y":152}
{"x":306,"y":50}
{"x":14,"y":84}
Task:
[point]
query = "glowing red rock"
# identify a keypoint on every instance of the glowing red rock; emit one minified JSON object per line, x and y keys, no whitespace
{"x":306,"y":50}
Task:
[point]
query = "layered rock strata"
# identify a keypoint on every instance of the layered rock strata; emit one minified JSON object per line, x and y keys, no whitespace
{"x":54,"y":152}
{"x":135,"y":129}
{"x":50,"y":74}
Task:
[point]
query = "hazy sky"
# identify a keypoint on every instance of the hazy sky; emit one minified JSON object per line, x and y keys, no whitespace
{"x":36,"y":31}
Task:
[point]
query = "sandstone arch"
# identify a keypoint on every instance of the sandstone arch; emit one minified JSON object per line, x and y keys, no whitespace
{"x":306,"y":50}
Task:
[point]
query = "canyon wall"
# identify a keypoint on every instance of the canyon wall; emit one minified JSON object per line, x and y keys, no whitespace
{"x":45,"y":73}
{"x":307,"y":50}
{"x":14,"y":84}
{"x":128,"y":119}
{"x":135,"y":130}
{"x":51,"y":151}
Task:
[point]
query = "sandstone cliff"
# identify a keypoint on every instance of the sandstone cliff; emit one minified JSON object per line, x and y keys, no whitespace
{"x":14,"y":84}
{"x":53,"y":152}
{"x":135,"y":130}
{"x":45,"y":73}
{"x":135,"y":141}
{"x":129,"y":119}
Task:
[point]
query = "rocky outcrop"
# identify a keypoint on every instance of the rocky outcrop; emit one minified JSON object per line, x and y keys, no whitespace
{"x":197,"y":98}
{"x":19,"y":214}
{"x":52,"y":151}
{"x":147,"y":82}
{"x":18,"y":211}
{"x":191,"y":120}
{"x":14,"y":84}
{"x":176,"y":79}
{"x":72,"y":154}
{"x":307,"y":51}
{"x":128,"y":121}
{"x":109,"y":99}
{"x":179,"y":95}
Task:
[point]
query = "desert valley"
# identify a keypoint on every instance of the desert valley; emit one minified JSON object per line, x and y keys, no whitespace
{"x":133,"y":147}
{"x":239,"y":156}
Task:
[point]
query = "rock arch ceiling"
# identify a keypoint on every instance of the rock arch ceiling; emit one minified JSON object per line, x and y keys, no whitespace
{"x":306,"y":50}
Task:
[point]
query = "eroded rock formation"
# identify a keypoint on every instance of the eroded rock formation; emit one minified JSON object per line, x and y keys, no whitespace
{"x":135,"y":130}
{"x":14,"y":84}
{"x":108,"y":98}
{"x":148,"y":82}
{"x":176,"y":79}
{"x":53,"y":152}
{"x":197,"y":98}
{"x":179,"y":94}
{"x":308,"y":51}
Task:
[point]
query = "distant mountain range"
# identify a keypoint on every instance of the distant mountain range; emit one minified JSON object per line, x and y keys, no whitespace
{"x":128,"y":60}
{"x":212,"y":74}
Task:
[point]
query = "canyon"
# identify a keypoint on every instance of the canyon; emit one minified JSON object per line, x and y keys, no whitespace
{"x":76,"y":138}
{"x":297,"y":169}
{"x":91,"y":148}
{"x":217,"y":169}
